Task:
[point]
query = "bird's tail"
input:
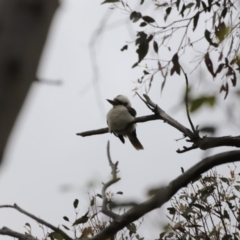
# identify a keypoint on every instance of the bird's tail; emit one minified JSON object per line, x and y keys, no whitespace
{"x":134,"y":140}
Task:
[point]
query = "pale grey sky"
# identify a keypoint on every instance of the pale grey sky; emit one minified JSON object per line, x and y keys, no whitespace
{"x":45,"y":153}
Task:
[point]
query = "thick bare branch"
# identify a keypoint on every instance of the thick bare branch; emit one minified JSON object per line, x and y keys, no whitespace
{"x":163,"y":194}
{"x":8,"y":232}
{"x":114,"y":179}
{"x":39,"y":220}
{"x":212,"y":142}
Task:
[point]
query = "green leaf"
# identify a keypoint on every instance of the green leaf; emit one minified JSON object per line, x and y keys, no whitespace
{"x":110,"y":1}
{"x":148,"y":19}
{"x":208,"y":129}
{"x":66,"y":218}
{"x":203,"y":100}
{"x":224,"y":12}
{"x":66,"y":227}
{"x":221,"y":31}
{"x":225,"y":89}
{"x":225,"y":180}
{"x":168,"y":11}
{"x":161,"y":5}
{"x":125,"y":47}
{"x":99,"y":195}
{"x":195,"y":21}
{"x":155,"y":46}
{"x":27,"y":224}
{"x":204,"y":6}
{"x":219,"y":69}
{"x":198,"y":2}
{"x":226,"y":215}
{"x":92,"y":202}
{"x":201,"y":207}
{"x":143,"y":24}
{"x":75,"y":203}
{"x":209,"y":64}
{"x":183,"y":9}
{"x":132,"y":228}
{"x":171,"y":210}
{"x":134,"y":65}
{"x":143,"y":46}
{"x":176,"y":66}
{"x":178,"y":4}
{"x":56,"y":235}
{"x":237,"y":187}
{"x":189,"y":5}
{"x":208,"y":38}
{"x":82,"y":219}
{"x":135,"y":16}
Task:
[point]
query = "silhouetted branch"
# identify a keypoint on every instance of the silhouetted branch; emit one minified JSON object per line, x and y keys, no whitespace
{"x":105,"y":130}
{"x":164,"y":116}
{"x":186,"y":101}
{"x":203,"y":143}
{"x":114,"y":179}
{"x":39,"y":220}
{"x":8,"y":232}
{"x":163,"y":194}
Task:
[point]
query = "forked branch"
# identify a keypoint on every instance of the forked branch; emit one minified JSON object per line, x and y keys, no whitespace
{"x":164,"y":193}
{"x":8,"y":232}
{"x":114,"y":179}
{"x":39,"y":220}
{"x":159,"y":114}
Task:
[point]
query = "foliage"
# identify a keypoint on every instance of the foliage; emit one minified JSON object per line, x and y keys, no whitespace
{"x":90,"y":223}
{"x":206,"y":209}
{"x":215,"y":43}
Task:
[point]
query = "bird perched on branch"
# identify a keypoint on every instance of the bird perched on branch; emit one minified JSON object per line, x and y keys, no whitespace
{"x":119,"y":120}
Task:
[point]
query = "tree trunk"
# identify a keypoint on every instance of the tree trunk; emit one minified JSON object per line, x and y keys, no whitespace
{"x":24,"y":25}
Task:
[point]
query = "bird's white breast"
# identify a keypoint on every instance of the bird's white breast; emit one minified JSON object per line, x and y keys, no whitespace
{"x":118,"y":119}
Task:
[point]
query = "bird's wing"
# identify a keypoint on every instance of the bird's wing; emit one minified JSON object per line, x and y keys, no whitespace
{"x":132,"y":111}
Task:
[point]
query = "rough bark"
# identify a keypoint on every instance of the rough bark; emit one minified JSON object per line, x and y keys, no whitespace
{"x":23,"y":31}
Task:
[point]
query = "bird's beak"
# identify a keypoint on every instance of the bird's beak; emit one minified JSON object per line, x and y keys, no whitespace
{"x":114,"y":103}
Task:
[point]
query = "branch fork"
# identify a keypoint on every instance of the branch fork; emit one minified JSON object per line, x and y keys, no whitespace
{"x":192,"y":136}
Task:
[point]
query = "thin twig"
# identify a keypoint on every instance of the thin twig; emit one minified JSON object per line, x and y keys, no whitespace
{"x":186,"y":101}
{"x":39,"y":220}
{"x":20,"y":236}
{"x":114,"y":179}
{"x":105,"y":130}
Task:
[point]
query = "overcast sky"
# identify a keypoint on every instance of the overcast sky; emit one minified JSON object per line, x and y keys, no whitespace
{"x":44,"y":153}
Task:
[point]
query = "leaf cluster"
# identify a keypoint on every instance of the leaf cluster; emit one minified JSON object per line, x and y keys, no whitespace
{"x":219,"y":36}
{"x":206,"y":209}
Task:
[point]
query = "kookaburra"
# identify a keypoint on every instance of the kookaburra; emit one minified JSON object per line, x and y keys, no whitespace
{"x":119,"y":120}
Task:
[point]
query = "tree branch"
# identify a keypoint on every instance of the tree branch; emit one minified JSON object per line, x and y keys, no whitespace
{"x":163,"y":194}
{"x":203,"y":143}
{"x":8,"y":232}
{"x":113,"y":166}
{"x":164,"y":116}
{"x":39,"y":220}
{"x":186,"y":101}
